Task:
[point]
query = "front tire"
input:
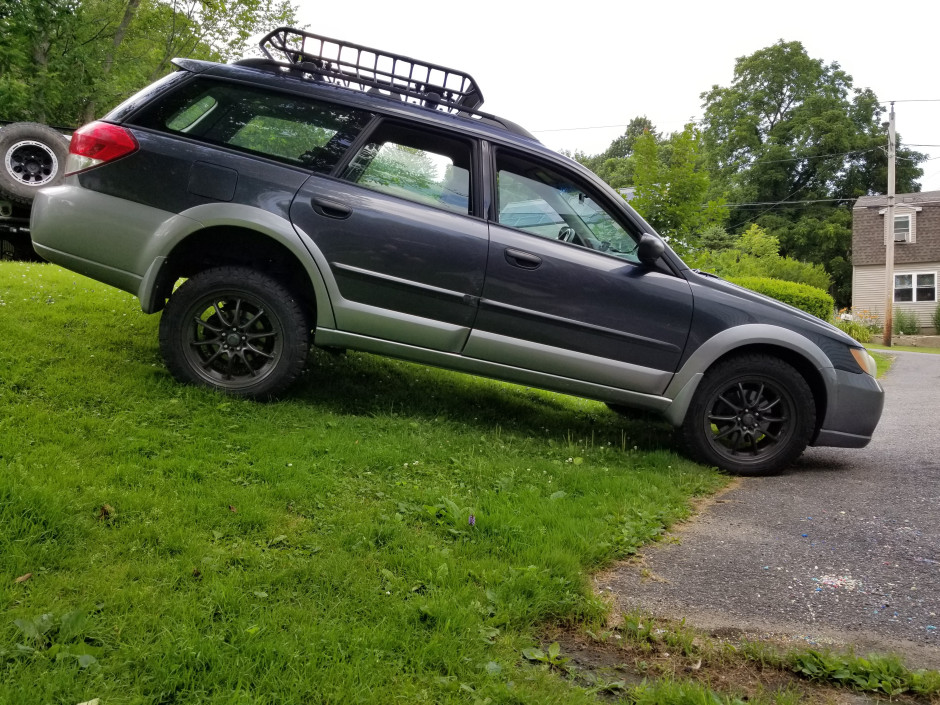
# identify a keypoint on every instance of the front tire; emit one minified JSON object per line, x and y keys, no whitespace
{"x":751,"y":415}
{"x":236,"y":330}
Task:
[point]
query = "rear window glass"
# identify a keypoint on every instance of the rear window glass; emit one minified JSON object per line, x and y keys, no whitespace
{"x":290,"y":128}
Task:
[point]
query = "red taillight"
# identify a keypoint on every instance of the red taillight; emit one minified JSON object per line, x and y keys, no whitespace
{"x":98,"y":143}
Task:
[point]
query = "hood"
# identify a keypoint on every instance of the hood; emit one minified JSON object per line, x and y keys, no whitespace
{"x":764,"y":309}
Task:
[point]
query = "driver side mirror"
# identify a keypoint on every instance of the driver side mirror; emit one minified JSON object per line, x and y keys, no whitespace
{"x":649,"y":249}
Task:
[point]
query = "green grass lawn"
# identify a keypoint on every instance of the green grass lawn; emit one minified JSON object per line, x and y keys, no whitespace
{"x":387,"y":533}
{"x":904,"y":348}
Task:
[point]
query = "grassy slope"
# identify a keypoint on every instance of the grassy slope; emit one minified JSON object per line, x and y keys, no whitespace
{"x":195,"y":548}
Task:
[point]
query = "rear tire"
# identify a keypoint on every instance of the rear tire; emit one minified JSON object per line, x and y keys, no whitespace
{"x":236,"y":330}
{"x":32,"y":156}
{"x":751,"y":415}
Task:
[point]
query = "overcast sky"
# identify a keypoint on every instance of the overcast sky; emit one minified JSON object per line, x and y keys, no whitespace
{"x":556,"y":66}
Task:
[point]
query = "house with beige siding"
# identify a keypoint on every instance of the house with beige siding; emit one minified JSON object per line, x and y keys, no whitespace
{"x":916,"y":236}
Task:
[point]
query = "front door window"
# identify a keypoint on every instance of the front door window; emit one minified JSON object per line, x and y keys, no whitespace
{"x":542,"y":202}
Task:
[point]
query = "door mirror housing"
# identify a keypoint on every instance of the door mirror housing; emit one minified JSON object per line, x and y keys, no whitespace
{"x":649,"y":249}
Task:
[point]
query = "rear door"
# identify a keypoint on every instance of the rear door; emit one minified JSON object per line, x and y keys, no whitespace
{"x":402,"y":236}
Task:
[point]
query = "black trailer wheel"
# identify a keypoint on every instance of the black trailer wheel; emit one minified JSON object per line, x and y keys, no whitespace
{"x":751,"y":415}
{"x":32,"y":156}
{"x":237,"y":330}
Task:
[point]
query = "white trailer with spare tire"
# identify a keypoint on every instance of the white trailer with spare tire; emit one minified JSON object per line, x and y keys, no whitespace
{"x":32,"y":156}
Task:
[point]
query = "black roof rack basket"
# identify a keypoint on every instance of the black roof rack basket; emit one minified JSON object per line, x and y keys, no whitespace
{"x":353,"y":65}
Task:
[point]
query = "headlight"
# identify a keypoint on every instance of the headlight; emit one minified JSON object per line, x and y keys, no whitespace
{"x":865,"y":361}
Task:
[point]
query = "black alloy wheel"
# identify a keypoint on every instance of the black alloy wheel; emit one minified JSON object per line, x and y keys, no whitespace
{"x":237,"y":330}
{"x":752,"y":415}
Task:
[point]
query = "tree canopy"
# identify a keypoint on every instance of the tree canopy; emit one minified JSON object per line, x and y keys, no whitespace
{"x":670,"y":187}
{"x":65,"y":61}
{"x":792,"y":144}
{"x":789,"y":145}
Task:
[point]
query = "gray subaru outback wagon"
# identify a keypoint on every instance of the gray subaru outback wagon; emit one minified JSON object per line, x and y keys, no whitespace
{"x":334,"y":194}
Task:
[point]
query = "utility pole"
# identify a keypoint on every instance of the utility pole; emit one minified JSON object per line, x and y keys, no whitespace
{"x":889,"y":227}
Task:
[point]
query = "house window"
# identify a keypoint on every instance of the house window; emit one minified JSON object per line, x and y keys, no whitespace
{"x":902,"y":228}
{"x":916,"y":286}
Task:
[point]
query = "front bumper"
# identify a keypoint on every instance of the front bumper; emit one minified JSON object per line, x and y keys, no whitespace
{"x":854,"y":408}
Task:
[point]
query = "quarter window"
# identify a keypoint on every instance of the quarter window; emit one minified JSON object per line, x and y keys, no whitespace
{"x":543,"y":202}
{"x":418,"y":166}
{"x":282,"y":126}
{"x":917,"y":286}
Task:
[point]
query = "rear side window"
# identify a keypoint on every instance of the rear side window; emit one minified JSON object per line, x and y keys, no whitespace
{"x":290,"y":128}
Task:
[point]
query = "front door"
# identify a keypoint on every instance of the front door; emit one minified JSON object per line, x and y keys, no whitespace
{"x":565,"y":293}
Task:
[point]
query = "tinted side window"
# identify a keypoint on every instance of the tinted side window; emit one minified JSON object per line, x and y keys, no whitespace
{"x":293,"y":129}
{"x":545,"y":202}
{"x":416,"y":165}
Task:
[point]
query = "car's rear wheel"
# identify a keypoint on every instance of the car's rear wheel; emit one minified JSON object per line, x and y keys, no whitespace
{"x":32,"y":156}
{"x":237,"y":330}
{"x":751,"y":415}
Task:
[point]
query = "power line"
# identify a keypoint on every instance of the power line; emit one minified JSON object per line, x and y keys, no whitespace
{"x":786,"y":203}
{"x":571,"y":129}
{"x":819,"y":156}
{"x":608,"y":127}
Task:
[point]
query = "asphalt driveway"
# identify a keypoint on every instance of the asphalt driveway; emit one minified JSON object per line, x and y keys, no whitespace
{"x":844,"y":548}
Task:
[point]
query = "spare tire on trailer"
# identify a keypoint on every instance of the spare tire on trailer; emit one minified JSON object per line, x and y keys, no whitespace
{"x":32,"y":156}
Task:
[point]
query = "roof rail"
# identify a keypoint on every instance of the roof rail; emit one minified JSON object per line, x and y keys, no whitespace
{"x":352,"y":65}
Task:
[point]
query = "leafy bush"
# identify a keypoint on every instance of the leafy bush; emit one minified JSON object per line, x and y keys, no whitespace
{"x":735,"y":263}
{"x":860,"y":325}
{"x":804,"y":297}
{"x":858,"y":330}
{"x":793,"y":270}
{"x":904,"y":322}
{"x":936,"y":320}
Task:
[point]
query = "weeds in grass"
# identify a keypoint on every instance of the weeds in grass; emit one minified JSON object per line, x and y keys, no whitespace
{"x":875,"y":674}
{"x":662,"y":649}
{"x":551,"y":657}
{"x":669,"y":691}
{"x":55,"y":639}
{"x":651,"y":634}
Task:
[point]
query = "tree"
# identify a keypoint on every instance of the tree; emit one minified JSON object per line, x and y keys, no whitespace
{"x":716,"y":238}
{"x":65,"y":61}
{"x":671,"y":187}
{"x":615,"y":164}
{"x":792,"y":135}
{"x":758,"y":242}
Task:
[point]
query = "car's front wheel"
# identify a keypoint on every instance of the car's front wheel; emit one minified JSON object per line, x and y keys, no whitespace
{"x":751,"y":415}
{"x":237,"y":330}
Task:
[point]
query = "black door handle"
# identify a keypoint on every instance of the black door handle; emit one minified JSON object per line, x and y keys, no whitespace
{"x":330,"y":209}
{"x":524,"y":260}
